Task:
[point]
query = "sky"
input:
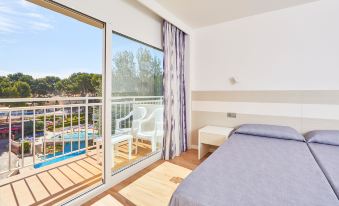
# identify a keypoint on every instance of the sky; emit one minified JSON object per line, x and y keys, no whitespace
{"x":40,"y":42}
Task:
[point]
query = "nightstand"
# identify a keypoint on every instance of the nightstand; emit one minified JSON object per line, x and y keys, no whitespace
{"x":211,"y":135}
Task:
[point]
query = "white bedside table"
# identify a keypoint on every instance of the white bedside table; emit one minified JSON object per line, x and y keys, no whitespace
{"x":211,"y":135}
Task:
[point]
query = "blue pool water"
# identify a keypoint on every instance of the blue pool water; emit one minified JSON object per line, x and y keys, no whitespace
{"x":74,"y":146}
{"x":58,"y":159}
{"x":75,"y":136}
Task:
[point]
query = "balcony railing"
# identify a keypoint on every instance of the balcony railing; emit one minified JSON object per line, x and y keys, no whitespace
{"x":35,"y":131}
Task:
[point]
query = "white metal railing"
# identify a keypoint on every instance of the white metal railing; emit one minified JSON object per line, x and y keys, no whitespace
{"x":33,"y":145}
{"x":121,"y":109}
{"x":81,"y":114}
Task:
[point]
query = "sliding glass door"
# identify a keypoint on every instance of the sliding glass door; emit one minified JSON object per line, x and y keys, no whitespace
{"x":137,"y":101}
{"x":51,"y":103}
{"x":64,"y":125}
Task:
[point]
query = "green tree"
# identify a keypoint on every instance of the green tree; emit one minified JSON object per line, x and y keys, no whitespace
{"x":124,"y":74}
{"x":39,"y":87}
{"x":20,"y":77}
{"x":158,"y":76}
{"x":146,"y":74}
{"x":10,"y":92}
{"x":4,"y":82}
{"x":96,"y":82}
{"x":78,"y":84}
{"x":83,"y":83}
{"x":23,"y":89}
{"x":52,"y":85}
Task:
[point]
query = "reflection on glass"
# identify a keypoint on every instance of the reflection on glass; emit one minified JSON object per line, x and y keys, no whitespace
{"x":137,"y":101}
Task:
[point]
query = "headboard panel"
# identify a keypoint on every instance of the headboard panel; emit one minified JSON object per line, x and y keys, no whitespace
{"x":302,"y":110}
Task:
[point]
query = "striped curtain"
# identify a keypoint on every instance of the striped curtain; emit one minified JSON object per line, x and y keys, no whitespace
{"x":175,"y":125}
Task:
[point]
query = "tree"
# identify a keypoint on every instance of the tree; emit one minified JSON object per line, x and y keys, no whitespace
{"x":96,"y":81}
{"x":39,"y":87}
{"x":124,"y":74}
{"x":66,"y":86}
{"x":158,"y":76}
{"x":78,"y":84}
{"x":146,"y":74}
{"x":83,"y":83}
{"x":52,"y":85}
{"x":10,"y":92}
{"x":20,"y":77}
{"x":4,"y":82}
{"x":23,"y":89}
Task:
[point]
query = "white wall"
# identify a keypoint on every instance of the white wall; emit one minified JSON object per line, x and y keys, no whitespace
{"x":291,"y":49}
{"x":125,"y":16}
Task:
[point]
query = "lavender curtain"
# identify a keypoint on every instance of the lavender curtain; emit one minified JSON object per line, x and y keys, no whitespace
{"x":175,"y":125}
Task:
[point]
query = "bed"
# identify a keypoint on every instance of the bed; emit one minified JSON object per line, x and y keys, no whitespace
{"x":260,"y":165}
{"x":324,"y":146}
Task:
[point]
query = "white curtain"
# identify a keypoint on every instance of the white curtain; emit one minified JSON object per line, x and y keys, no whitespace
{"x":175,"y":125}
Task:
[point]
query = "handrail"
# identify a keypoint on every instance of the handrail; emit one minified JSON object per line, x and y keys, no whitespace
{"x":38,"y":99}
{"x":15,"y":100}
{"x":47,"y":107}
{"x":121,"y":107}
{"x":136,"y":97}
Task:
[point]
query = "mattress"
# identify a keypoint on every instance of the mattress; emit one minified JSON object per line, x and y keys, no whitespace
{"x":327,"y":157}
{"x":257,"y":171}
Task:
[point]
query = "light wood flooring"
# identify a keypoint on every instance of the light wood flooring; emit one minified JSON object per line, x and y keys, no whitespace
{"x":121,"y":192}
{"x":53,"y":184}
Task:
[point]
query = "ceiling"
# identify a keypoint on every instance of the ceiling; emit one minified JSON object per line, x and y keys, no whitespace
{"x":200,"y":13}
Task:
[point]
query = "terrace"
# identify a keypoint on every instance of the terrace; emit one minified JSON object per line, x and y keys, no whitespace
{"x":50,"y":148}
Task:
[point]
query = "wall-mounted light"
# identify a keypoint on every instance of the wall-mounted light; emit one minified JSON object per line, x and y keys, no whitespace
{"x":233,"y":80}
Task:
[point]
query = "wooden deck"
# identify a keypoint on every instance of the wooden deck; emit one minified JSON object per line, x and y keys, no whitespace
{"x":60,"y":181}
{"x":50,"y":184}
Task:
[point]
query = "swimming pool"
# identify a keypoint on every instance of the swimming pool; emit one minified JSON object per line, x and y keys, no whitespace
{"x":74,"y":136}
{"x":71,"y":144}
{"x":58,"y":159}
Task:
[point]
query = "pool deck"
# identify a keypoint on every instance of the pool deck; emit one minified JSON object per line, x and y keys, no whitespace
{"x":52,"y":183}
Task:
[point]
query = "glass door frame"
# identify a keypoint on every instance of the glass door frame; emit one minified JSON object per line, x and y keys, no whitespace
{"x":111,"y":178}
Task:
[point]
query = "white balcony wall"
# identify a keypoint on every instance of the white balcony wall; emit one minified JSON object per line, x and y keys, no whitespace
{"x":127,"y":17}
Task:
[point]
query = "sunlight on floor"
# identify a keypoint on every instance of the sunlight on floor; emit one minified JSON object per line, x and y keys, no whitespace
{"x":108,"y":200}
{"x":157,"y":186}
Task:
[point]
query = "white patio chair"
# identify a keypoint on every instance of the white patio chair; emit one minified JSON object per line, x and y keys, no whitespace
{"x":138,"y":113}
{"x":151,"y":128}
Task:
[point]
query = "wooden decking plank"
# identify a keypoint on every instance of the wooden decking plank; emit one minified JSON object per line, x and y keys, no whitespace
{"x":89,"y":167}
{"x":93,"y":162}
{"x":75,"y":177}
{"x":37,"y":188}
{"x":7,"y":197}
{"x":52,"y":186}
{"x":22,"y":193}
{"x":80,"y":170}
{"x":61,"y":178}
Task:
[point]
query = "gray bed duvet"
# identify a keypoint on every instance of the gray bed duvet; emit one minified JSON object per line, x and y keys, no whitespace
{"x":327,"y":157}
{"x":250,"y":170}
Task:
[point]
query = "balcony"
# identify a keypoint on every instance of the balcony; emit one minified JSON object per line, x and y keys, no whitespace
{"x":50,"y":147}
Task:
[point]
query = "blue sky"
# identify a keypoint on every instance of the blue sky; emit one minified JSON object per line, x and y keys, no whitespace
{"x":40,"y":42}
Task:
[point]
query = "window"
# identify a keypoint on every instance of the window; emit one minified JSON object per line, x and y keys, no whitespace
{"x":58,"y":61}
{"x":137,"y":100}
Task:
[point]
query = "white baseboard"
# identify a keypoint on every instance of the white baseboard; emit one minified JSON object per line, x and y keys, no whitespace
{"x":193,"y":147}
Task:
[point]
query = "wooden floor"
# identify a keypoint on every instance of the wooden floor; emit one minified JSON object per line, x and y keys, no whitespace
{"x":50,"y":184}
{"x":58,"y":182}
{"x":157,"y":186}
{"x":187,"y":160}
